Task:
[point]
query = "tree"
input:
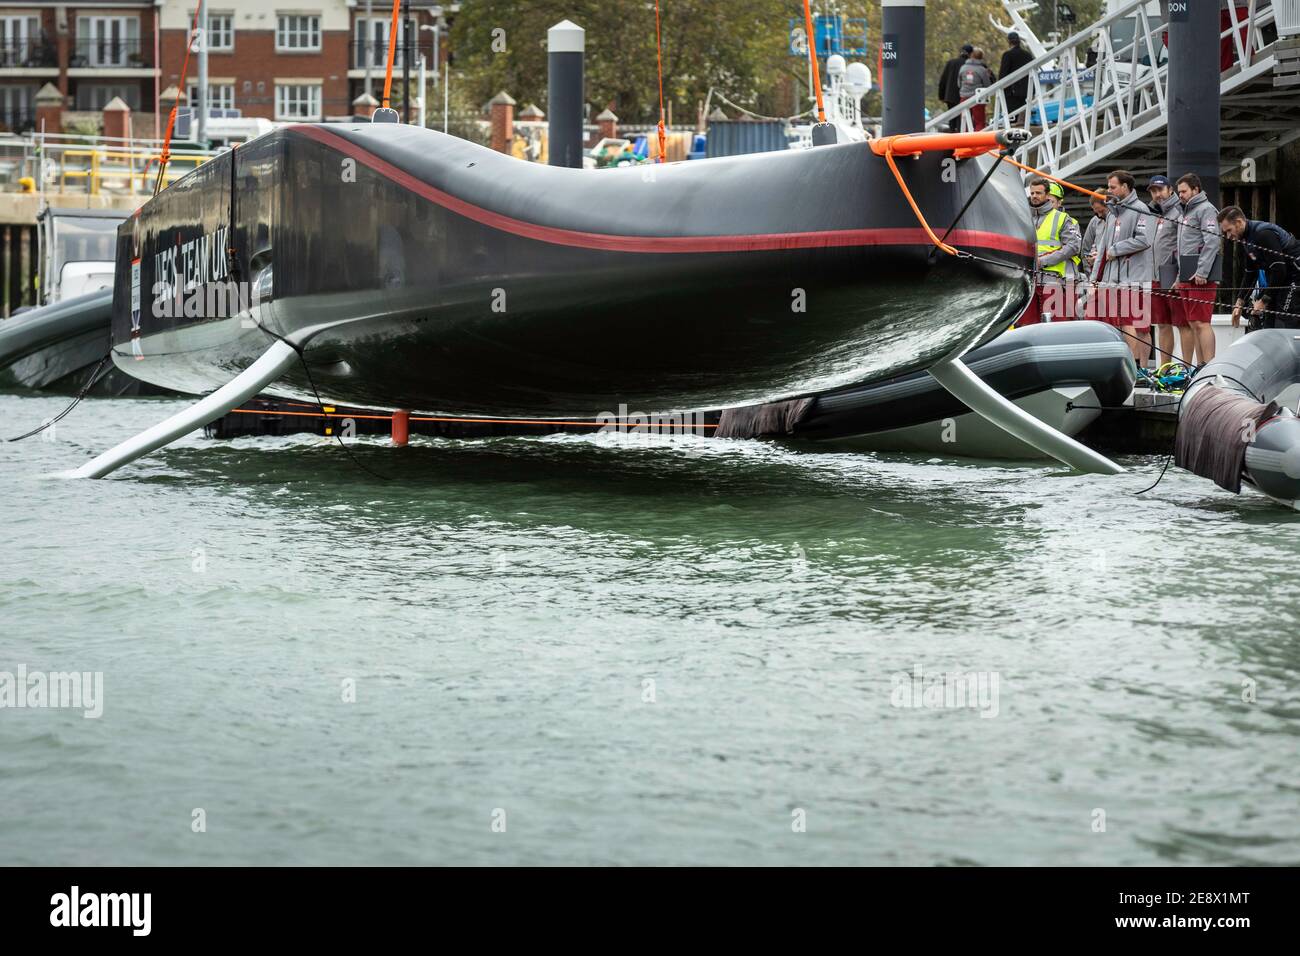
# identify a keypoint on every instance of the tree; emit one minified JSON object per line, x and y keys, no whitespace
{"x":738,"y":46}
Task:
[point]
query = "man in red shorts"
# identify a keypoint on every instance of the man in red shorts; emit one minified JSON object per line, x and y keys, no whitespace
{"x":1123,"y":271}
{"x":1166,"y":312}
{"x":1199,"y":245}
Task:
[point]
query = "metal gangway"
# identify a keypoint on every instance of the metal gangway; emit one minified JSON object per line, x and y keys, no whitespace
{"x":1114,"y":113}
{"x":71,"y":163}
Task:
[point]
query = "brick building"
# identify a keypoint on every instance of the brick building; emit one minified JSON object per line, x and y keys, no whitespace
{"x":280,"y":60}
{"x":289,"y":60}
{"x":91,"y":51}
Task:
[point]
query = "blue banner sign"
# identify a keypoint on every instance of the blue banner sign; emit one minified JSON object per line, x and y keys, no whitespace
{"x":1052,"y":77}
{"x":846,"y":36}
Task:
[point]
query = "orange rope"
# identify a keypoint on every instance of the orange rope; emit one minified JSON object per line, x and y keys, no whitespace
{"x":392,"y":49}
{"x":467,"y":421}
{"x":812,"y":56}
{"x":659,"y":53}
{"x":910,"y":144}
{"x":1039,"y":172}
{"x":180,"y":90}
{"x":889,"y":158}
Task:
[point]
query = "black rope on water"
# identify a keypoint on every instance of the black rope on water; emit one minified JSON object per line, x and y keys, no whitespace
{"x":1169,"y":456}
{"x":85,"y":389}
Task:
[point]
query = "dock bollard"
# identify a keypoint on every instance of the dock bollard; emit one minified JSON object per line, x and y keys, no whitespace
{"x":401,"y":427}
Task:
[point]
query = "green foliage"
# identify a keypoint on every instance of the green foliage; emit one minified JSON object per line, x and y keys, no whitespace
{"x":739,"y":47}
{"x":1044,"y":20}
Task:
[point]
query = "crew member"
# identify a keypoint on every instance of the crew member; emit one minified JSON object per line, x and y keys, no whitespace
{"x":1088,"y":254}
{"x":1012,"y":60}
{"x":1275,"y":252}
{"x":1124,"y":265}
{"x":948,"y":84}
{"x":974,"y":75}
{"x":1059,"y":242}
{"x":1093,"y":233}
{"x":1164,"y":246}
{"x":1198,"y":240}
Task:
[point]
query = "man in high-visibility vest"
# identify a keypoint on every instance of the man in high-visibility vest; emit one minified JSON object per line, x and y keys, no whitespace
{"x":1059,"y":244}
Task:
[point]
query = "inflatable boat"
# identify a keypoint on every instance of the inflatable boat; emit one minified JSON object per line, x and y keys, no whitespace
{"x":57,"y":348}
{"x":1059,"y":372}
{"x":1237,"y":421}
{"x":411,"y":269}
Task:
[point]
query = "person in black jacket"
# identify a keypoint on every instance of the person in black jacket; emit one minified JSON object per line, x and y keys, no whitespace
{"x":948,"y":83}
{"x":1016,"y":57}
{"x":1276,"y":254}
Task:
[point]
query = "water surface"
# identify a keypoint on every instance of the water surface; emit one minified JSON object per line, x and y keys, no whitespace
{"x":636,"y":653}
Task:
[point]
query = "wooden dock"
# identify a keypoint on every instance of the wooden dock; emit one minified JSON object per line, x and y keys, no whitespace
{"x":1146,"y":425}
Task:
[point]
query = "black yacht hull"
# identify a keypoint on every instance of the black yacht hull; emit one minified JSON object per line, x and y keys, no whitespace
{"x":421,"y":271}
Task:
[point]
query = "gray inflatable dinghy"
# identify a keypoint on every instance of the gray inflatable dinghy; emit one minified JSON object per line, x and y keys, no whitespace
{"x":1237,"y":421}
{"x":58,"y":347}
{"x":1059,"y":372}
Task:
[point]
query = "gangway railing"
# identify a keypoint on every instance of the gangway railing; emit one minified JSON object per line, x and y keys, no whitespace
{"x":126,"y":170}
{"x":1096,"y":111}
{"x":96,"y":165}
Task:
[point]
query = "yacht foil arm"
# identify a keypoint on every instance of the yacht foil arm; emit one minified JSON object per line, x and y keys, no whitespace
{"x":962,"y":383}
{"x":269,"y":367}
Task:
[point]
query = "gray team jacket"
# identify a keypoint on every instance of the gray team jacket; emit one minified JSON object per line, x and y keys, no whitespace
{"x":1124,"y":252}
{"x":1199,"y":235}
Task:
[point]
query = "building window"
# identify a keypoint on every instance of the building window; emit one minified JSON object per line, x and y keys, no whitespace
{"x":17,"y":107}
{"x":371,"y":43}
{"x":221,"y":96}
{"x":93,"y":97}
{"x":108,"y":41}
{"x":21,"y":41}
{"x":297,"y":31}
{"x":221,"y":32}
{"x":297,"y":102}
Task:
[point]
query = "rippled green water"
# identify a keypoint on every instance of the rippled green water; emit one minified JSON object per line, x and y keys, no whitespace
{"x":500,"y":606}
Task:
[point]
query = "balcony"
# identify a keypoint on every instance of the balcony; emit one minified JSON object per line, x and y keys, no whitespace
{"x":108,"y":53}
{"x":35,"y":52}
{"x":17,"y":120}
{"x":376,"y":51}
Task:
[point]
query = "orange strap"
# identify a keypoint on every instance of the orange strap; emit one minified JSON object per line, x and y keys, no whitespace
{"x":467,"y":421}
{"x":908,"y":144}
{"x":907,"y":193}
{"x":392,"y":49}
{"x":1068,"y":185}
{"x":812,"y":56}
{"x":659,"y":53}
{"x":912,"y":143}
{"x":180,"y":90}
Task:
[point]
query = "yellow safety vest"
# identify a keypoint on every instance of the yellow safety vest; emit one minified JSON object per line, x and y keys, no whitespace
{"x":1049,"y":239}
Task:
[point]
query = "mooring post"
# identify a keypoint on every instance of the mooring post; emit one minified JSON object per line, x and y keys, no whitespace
{"x":401,"y":427}
{"x":566,"y":43}
{"x":902,"y":65}
{"x":1193,"y":143}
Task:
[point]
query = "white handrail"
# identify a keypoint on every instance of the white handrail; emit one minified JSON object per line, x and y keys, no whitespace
{"x":1093,"y":111}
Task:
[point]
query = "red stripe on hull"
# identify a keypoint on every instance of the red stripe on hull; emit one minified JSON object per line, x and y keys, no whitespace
{"x":914,"y":236}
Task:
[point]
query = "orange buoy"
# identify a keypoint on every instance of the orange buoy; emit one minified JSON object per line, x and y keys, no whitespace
{"x":401,"y":427}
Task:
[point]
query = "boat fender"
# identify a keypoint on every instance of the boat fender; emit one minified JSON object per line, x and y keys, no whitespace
{"x":1212,"y":435}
